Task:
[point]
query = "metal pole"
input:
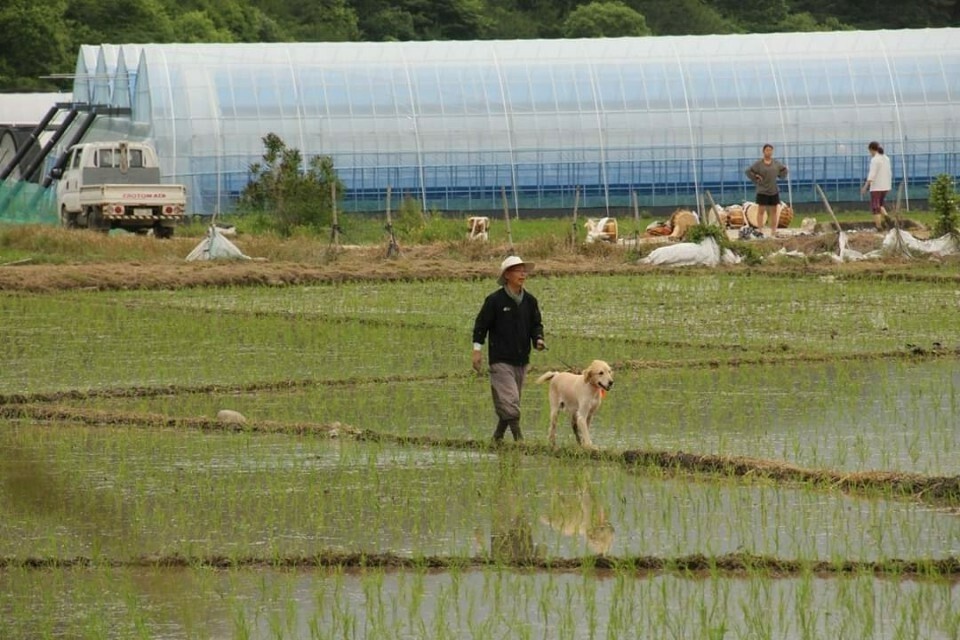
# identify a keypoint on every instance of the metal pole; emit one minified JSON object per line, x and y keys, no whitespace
{"x":32,"y":140}
{"x":34,"y":165}
{"x":506,"y":216}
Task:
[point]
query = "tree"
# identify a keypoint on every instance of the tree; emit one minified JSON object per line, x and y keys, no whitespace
{"x":604,"y":19}
{"x":119,"y":21}
{"x":196,"y":26}
{"x":682,"y":17}
{"x":804,"y":22}
{"x":291,"y":196}
{"x":325,"y":21}
{"x":449,"y":19}
{"x":754,"y":15}
{"x":36,"y":43}
{"x":943,"y":201}
{"x":389,"y":24}
{"x":246,"y":22}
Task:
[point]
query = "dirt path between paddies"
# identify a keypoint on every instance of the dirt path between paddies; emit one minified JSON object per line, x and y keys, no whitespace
{"x":451,"y":261}
{"x":694,"y":565}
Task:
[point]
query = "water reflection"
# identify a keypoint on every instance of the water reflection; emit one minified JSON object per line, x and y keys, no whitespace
{"x":511,"y":532}
{"x":524,"y":512}
{"x":578,"y":512}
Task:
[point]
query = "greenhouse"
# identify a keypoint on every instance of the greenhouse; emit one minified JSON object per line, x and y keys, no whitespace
{"x":453,"y":123}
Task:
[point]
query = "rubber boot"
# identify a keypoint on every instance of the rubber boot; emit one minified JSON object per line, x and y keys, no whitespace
{"x":879,"y":222}
{"x":515,"y":429}
{"x":499,"y":431}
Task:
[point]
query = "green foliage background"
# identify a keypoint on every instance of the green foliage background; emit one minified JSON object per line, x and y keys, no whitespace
{"x":41,"y":38}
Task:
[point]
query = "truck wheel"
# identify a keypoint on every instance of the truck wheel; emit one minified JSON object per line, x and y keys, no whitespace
{"x":95,"y":221}
{"x":67,"y":220}
{"x":163,"y":233}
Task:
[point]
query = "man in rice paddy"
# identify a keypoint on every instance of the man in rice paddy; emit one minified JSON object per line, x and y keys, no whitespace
{"x":510,"y":316}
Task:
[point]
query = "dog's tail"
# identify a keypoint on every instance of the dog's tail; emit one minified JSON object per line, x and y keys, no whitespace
{"x":547,"y":376}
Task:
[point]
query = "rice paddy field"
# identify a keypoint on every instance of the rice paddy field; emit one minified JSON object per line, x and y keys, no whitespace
{"x":779,"y":459}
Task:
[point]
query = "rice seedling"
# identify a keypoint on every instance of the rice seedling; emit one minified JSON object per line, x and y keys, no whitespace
{"x":117,"y":494}
{"x":122,"y":523}
{"x":858,"y":416}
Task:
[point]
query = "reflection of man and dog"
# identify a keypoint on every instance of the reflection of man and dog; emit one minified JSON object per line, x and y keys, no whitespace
{"x":510,"y":320}
{"x":574,"y":510}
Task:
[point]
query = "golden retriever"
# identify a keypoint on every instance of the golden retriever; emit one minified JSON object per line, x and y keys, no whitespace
{"x":580,"y":395}
{"x":479,"y":228}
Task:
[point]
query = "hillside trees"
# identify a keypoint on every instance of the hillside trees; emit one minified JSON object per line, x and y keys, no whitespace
{"x":42,"y":38}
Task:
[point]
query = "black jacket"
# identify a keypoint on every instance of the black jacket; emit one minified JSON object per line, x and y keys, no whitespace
{"x":513,"y":329}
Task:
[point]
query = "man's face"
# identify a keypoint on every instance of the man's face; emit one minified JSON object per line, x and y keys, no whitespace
{"x":768,"y":152}
{"x":516,"y":276}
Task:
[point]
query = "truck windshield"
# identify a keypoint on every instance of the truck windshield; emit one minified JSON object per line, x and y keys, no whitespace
{"x":110,"y":158}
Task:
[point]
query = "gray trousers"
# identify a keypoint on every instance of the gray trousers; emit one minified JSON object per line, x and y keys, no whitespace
{"x":506,"y":383}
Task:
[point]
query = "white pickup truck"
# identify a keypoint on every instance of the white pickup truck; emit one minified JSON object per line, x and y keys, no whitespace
{"x":116,"y":185}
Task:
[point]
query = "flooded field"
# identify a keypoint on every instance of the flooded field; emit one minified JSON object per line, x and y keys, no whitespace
{"x":205,"y":603}
{"x":124,"y":516}
{"x":122,"y":494}
{"x":894,"y":415}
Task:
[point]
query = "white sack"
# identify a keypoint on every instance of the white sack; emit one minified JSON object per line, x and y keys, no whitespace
{"x":215,"y":247}
{"x":942,"y":246}
{"x":688,"y":254}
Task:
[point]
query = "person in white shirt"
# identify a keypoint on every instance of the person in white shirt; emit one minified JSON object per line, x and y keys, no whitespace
{"x":879,"y":181}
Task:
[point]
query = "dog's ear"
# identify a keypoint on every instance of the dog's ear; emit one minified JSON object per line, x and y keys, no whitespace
{"x":590,"y":373}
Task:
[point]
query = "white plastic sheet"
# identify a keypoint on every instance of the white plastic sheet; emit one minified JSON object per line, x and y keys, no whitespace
{"x":899,"y":241}
{"x":688,"y":254}
{"x":215,"y":247}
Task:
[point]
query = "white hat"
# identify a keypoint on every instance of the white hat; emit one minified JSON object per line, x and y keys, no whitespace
{"x":512,"y":261}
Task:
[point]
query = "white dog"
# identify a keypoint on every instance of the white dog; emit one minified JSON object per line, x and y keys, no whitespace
{"x":580,"y":395}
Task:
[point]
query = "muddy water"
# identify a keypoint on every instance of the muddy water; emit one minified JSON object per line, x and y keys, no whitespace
{"x":106,"y":493}
{"x":474,"y":604}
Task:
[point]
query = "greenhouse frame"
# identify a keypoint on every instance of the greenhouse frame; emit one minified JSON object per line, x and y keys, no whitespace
{"x":453,"y":123}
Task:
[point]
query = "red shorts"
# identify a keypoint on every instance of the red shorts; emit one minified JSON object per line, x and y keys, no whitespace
{"x":876,"y":200}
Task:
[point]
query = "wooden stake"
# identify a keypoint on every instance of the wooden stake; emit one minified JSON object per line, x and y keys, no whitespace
{"x":840,"y":234}
{"x":389,"y":221}
{"x":636,"y":208}
{"x":714,"y":215}
{"x":901,"y":247}
{"x":335,"y":229}
{"x":576,"y":207}
{"x":393,"y":247}
{"x":826,"y":203}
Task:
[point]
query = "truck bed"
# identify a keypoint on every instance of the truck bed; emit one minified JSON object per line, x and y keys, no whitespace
{"x":132,"y":195}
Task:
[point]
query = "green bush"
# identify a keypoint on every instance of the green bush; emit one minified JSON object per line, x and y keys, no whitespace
{"x":286,"y":196}
{"x":410,"y":219}
{"x":943,"y":202}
